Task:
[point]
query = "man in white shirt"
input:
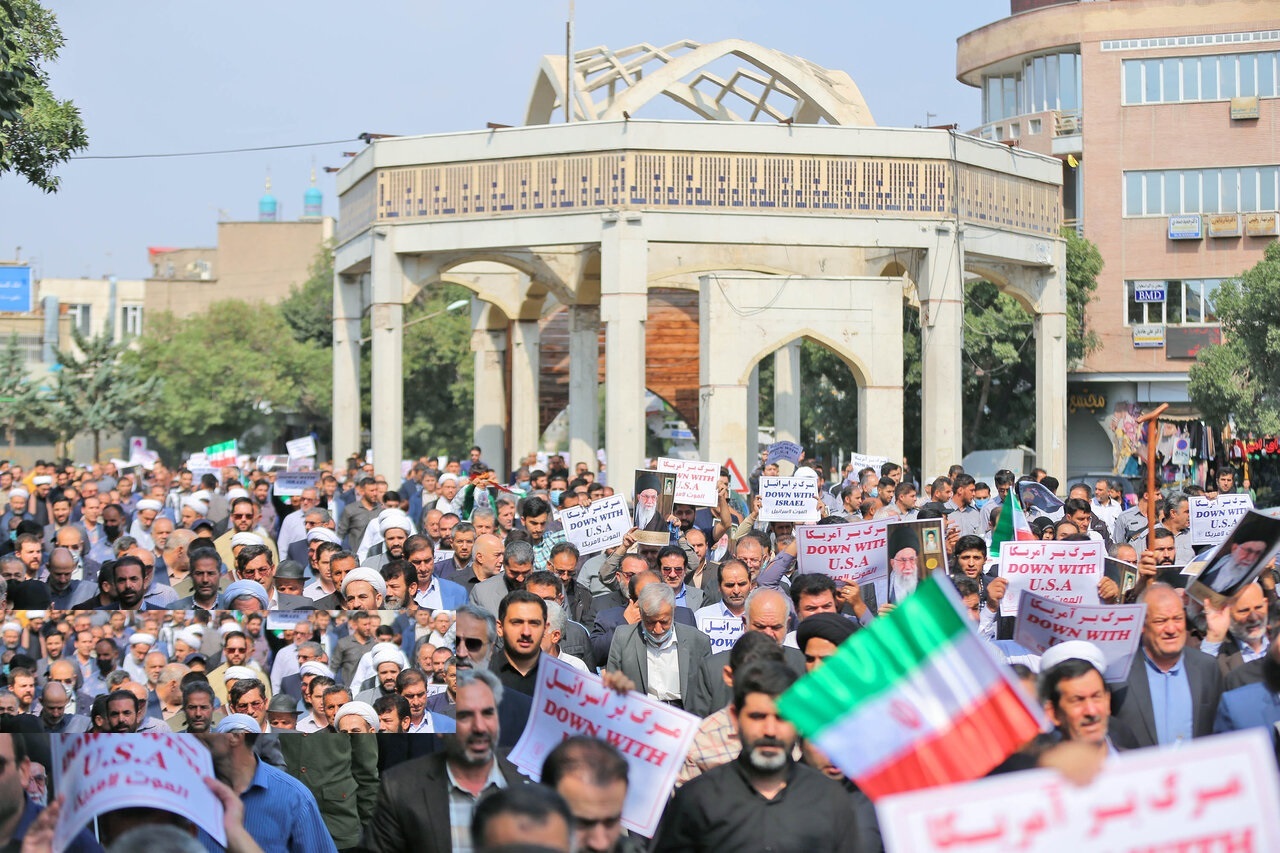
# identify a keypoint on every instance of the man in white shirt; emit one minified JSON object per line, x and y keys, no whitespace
{"x":1104,"y":508}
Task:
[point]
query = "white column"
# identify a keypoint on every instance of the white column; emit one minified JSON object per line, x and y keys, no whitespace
{"x":723,"y":432}
{"x":941,"y":288}
{"x":525,"y":357}
{"x":348,"y":306}
{"x":388,"y":361}
{"x":624,"y":273}
{"x":753,"y":423}
{"x":786,"y":393}
{"x":880,"y":420}
{"x":584,"y":384}
{"x":490,"y":394}
{"x":1051,"y":370}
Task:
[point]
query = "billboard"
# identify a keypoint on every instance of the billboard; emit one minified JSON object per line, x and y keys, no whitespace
{"x":15,"y":289}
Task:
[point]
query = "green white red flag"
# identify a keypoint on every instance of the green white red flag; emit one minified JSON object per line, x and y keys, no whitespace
{"x":1011,"y":526}
{"x":221,"y":455}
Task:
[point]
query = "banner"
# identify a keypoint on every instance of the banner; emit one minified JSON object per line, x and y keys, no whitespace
{"x":440,"y":555}
{"x":291,"y":483}
{"x":784,"y":451}
{"x":1114,"y":629}
{"x":1061,"y":571}
{"x":846,"y":553}
{"x":221,"y":455}
{"x":273,"y":462}
{"x":1217,"y":793}
{"x":301,"y":463}
{"x":653,"y":737}
{"x":861,"y":460}
{"x":159,"y":770}
{"x":697,"y":482}
{"x":1213,"y":521}
{"x":722,"y":631}
{"x":596,"y":527}
{"x":300,"y":448}
{"x":788,"y":499}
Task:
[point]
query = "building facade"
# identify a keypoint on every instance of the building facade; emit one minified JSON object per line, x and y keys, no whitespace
{"x":1163,"y":113}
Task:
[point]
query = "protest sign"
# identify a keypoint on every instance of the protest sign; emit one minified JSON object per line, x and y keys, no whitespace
{"x":1236,"y":561}
{"x":846,"y":553}
{"x":285,"y":620}
{"x":598,"y":526}
{"x":861,"y":460}
{"x":300,"y":448}
{"x":1114,"y":629}
{"x":301,"y":463}
{"x":157,"y":770}
{"x":788,"y":499}
{"x":1061,"y":571}
{"x":655,"y":493}
{"x":1213,"y":521}
{"x":722,"y":631}
{"x":653,"y":737}
{"x":273,"y":462}
{"x":697,"y":482}
{"x":1218,"y":793}
{"x":291,"y":483}
{"x":784,"y":451}
{"x":441,"y":555}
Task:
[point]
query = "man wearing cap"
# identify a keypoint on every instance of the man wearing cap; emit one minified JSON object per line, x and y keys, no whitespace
{"x":243,"y":519}
{"x":19,"y":500}
{"x":394,"y":527}
{"x":363,"y":589}
{"x":289,"y":578}
{"x":1076,"y":696}
{"x":282,"y":713}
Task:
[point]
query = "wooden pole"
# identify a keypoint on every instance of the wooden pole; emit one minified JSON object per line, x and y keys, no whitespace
{"x":1150,"y":419}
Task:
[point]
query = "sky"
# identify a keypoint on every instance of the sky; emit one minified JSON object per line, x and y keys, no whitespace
{"x":157,"y":77}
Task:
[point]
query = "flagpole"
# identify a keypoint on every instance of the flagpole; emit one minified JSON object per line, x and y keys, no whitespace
{"x":1150,"y":419}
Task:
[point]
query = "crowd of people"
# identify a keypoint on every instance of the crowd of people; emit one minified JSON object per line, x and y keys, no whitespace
{"x":277,"y":629}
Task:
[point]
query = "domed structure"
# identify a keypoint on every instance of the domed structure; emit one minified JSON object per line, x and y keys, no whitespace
{"x":312,"y":200}
{"x":268,"y":207}
{"x":769,"y":86}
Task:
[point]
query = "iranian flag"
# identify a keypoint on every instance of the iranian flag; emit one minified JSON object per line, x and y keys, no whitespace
{"x":221,"y":455}
{"x":915,"y":700}
{"x":1011,"y":526}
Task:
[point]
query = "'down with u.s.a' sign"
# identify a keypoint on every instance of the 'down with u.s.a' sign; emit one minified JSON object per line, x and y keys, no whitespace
{"x":601,"y":525}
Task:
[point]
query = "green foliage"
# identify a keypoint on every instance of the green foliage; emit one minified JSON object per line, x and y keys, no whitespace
{"x":22,"y":406}
{"x":1084,"y":262}
{"x":438,"y":374}
{"x":97,"y":390}
{"x":233,"y":367}
{"x":308,"y":310}
{"x":38,"y":132}
{"x":1241,"y":377}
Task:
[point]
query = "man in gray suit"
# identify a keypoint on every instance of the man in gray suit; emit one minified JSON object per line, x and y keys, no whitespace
{"x":673,"y":563}
{"x":656,"y":653}
{"x":517,"y":565}
{"x":1172,"y":691}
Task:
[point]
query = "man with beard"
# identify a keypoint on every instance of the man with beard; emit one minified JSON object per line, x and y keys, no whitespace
{"x":198,"y":715}
{"x":449,"y":783}
{"x":522,"y":621}
{"x":64,"y":591}
{"x":1237,"y":633}
{"x":112,"y":529}
{"x":735,"y":586}
{"x":119,"y":714}
{"x":517,"y":565}
{"x":904,"y":563}
{"x":394,"y":527}
{"x":1254,"y":705}
{"x":764,"y":800}
{"x":1236,"y":563}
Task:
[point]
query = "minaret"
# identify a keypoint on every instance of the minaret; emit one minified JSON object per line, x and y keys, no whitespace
{"x":313,"y":199}
{"x":267,"y":206}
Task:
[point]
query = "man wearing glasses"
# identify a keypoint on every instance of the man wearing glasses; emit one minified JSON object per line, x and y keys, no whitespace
{"x":243,"y":519}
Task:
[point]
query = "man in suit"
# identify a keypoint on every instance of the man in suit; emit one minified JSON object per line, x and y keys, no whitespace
{"x":1254,"y":705}
{"x":1172,"y":691}
{"x":255,"y":563}
{"x":610,"y":619}
{"x":673,"y":563}
{"x":766,"y":612}
{"x":420,"y":799}
{"x":517,"y":565}
{"x":1237,"y":633}
{"x":656,"y":653}
{"x":434,"y":592}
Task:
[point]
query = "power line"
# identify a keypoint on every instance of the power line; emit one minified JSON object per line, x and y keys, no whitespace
{"x":208,"y":153}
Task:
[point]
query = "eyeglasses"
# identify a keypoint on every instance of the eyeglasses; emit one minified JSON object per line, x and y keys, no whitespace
{"x":673,"y":570}
{"x":241,"y":515}
{"x":472,"y":644}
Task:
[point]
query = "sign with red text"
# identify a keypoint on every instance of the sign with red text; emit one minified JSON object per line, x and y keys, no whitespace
{"x":1217,"y":793}
{"x":653,"y":737}
{"x":1115,"y":630}
{"x":1213,"y":521}
{"x":1060,"y":571}
{"x":847,"y":553}
{"x":793,"y":499}
{"x":99,"y":773}
{"x":601,"y":525}
{"x":697,"y":482}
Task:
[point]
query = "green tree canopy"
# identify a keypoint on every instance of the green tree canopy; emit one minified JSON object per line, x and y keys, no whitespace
{"x":22,"y":406}
{"x":97,"y":390}
{"x":308,"y":309}
{"x":1240,"y":378}
{"x":38,"y":132}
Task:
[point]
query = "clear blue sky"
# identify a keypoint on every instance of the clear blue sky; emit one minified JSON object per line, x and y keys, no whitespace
{"x":156,"y":76}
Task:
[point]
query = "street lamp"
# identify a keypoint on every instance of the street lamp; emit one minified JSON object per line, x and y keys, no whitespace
{"x":452,"y":306}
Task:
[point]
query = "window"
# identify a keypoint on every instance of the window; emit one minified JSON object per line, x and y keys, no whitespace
{"x":81,"y":318}
{"x":1168,"y":193}
{"x":131,"y":321}
{"x":1050,"y":82}
{"x":1188,"y":302}
{"x":1033,"y":126}
{"x":1201,"y":78}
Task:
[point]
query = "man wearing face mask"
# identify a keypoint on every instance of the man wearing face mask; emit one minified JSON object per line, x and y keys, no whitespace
{"x":657,"y":653}
{"x":112,"y":529}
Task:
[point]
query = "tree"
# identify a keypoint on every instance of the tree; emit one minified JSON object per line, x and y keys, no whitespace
{"x":22,"y":406}
{"x":97,"y":390}
{"x":38,"y":132}
{"x":308,"y":310}
{"x":438,"y":375}
{"x":1240,"y":378}
{"x":221,"y":372}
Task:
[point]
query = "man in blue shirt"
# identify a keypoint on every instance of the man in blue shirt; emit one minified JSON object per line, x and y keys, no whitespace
{"x":279,"y":811}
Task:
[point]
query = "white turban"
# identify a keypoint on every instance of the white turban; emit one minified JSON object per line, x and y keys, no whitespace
{"x":238,"y":673}
{"x":246,"y":539}
{"x":142,"y":638}
{"x":323,"y":534}
{"x":189,"y":637}
{"x":369,"y":576}
{"x":359,"y":709}
{"x":395,"y":519}
{"x":19,"y":492}
{"x":388,"y":653}
{"x":314,"y":667}
{"x":42,"y":480}
{"x":150,"y":503}
{"x":236,"y":492}
{"x":195,"y":503}
{"x":10,"y":626}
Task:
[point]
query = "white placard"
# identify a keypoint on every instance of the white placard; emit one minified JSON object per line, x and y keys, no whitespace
{"x":301,"y":463}
{"x":159,"y":770}
{"x":440,"y":556}
{"x":601,"y":525}
{"x":1213,"y":521}
{"x":1114,"y":629}
{"x":653,"y":737}
{"x":697,"y":482}
{"x":301,"y":448}
{"x":788,"y":499}
{"x":285,"y":620}
{"x":862,"y":460}
{"x":723,"y":631}
{"x":856,"y":553}
{"x":1060,"y":571}
{"x":291,"y":483}
{"x":1216,"y":793}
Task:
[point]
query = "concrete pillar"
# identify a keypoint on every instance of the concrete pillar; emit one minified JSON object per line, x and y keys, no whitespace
{"x":490,"y":394}
{"x":624,"y":273}
{"x":723,"y":432}
{"x":941,"y":288}
{"x":348,"y":307}
{"x":753,"y":423}
{"x":387,"y":417}
{"x":786,"y":393}
{"x":880,"y":418}
{"x":1051,"y":369}
{"x":584,"y":384}
{"x":525,"y":363}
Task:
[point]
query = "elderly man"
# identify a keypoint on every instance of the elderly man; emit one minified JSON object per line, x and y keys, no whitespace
{"x":64,"y":591}
{"x":257,"y":563}
{"x":53,"y":711}
{"x":658,"y":654}
{"x":517,"y":565}
{"x":1237,"y":632}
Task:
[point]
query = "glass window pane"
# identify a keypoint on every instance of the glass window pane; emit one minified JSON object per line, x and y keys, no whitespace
{"x":1010,"y":104}
{"x":1173,"y":303}
{"x":1191,"y":301}
{"x":1266,"y":75}
{"x":1154,"y":185}
{"x":1230,"y":200}
{"x":992,"y":106}
{"x":1133,"y":194}
{"x":1038,"y":93}
{"x":1133,"y":82}
{"x":1190,"y":78}
{"x":1051,"y":82}
{"x":1151,"y":88}
{"x":1249,"y":189}
{"x":1135,"y":312}
{"x":1069,"y":82}
{"x":1267,"y":187}
{"x":1209,"y":189}
{"x":1248,"y":80}
{"x":1172,"y":76}
{"x":1208,"y":79}
{"x":1028,"y":87}
{"x":1227,"y":76}
{"x":1210,"y":287}
{"x":1173,"y":192}
{"x":1191,"y":192}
